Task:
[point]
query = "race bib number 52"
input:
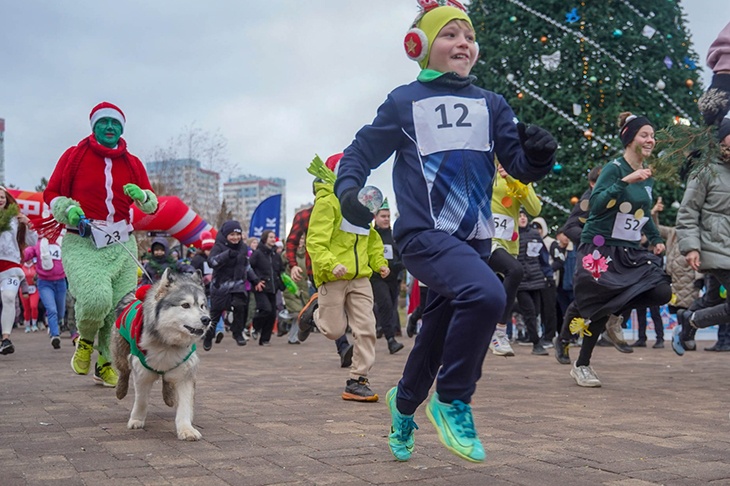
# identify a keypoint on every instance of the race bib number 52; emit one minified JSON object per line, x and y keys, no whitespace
{"x":627,"y":227}
{"x":451,"y":123}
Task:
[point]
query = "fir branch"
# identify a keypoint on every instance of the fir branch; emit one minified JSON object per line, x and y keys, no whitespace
{"x":7,"y":215}
{"x":682,"y":151}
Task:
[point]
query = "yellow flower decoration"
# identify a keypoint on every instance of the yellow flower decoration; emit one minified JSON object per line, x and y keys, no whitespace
{"x":517,"y":189}
{"x":579,"y":326}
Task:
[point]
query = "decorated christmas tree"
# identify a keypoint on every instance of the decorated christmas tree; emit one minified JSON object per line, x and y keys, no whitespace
{"x":572,"y":68}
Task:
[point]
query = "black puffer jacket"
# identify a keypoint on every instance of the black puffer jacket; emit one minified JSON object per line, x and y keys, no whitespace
{"x":267,"y":265}
{"x":533,"y":278}
{"x":230,"y":266}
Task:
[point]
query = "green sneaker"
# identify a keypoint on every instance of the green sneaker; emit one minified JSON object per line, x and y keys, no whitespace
{"x":400,"y":440}
{"x":81,"y":359}
{"x":105,"y":375}
{"x":455,"y":426}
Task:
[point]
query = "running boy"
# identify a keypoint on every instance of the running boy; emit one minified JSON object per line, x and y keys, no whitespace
{"x":445,"y":132}
{"x":343,"y":259}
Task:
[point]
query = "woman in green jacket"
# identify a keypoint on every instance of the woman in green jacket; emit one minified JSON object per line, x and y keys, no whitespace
{"x":616,"y":272}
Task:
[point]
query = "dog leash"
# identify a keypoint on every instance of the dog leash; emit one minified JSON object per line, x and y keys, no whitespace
{"x":85,"y":225}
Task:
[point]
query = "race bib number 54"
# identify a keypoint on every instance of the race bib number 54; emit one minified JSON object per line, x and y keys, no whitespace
{"x":451,"y":123}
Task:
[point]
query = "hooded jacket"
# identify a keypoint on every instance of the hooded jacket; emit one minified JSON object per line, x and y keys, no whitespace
{"x":703,"y":219}
{"x":329,"y":246}
{"x":230,"y":264}
{"x":531,"y":246}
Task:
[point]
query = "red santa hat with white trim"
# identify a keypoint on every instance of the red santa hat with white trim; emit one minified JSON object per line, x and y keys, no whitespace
{"x":333,"y":162}
{"x":106,"y":110}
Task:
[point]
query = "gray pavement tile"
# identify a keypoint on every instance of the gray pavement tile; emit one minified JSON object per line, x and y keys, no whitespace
{"x":274,"y":416}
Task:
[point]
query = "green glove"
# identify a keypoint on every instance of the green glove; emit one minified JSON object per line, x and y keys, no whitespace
{"x":133,"y":191}
{"x":289,"y":283}
{"x":74,"y":214}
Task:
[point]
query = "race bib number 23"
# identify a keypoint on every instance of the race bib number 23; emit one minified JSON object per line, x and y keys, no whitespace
{"x":110,"y":233}
{"x":451,"y":123}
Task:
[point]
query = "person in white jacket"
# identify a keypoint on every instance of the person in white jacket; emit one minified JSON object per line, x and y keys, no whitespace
{"x":16,"y":233}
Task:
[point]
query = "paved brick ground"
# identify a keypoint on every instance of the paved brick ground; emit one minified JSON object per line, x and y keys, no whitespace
{"x":274,"y":416}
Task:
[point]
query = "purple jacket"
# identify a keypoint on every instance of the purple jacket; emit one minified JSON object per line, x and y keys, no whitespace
{"x":48,"y":256}
{"x":718,"y":56}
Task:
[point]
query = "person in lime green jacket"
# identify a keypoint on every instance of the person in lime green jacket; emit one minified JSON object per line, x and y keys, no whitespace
{"x":508,"y":195}
{"x":344,"y":257}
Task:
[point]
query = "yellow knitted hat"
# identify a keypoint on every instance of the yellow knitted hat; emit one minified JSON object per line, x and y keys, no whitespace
{"x":419,"y":39}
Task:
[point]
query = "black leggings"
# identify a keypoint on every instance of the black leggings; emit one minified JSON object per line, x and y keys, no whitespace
{"x":657,"y":296}
{"x":239,"y":304}
{"x":385,"y":296}
{"x":510,"y":269}
{"x":656,"y":318}
{"x":265,"y":316}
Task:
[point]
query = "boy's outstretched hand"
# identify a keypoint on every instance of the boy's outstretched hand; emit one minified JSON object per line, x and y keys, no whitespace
{"x":384,"y":271}
{"x":538,"y":144}
{"x":353,"y":211}
{"x":339,"y":271}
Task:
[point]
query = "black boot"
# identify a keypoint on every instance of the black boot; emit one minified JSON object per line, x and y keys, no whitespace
{"x":561,"y":350}
{"x":394,"y":346}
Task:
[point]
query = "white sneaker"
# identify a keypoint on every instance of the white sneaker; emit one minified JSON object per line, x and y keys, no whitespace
{"x":500,"y":345}
{"x":585,"y":376}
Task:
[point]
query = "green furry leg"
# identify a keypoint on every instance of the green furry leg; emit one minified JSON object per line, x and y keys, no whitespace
{"x":98,"y":278}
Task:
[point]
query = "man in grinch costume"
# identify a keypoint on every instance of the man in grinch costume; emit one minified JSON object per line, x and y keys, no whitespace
{"x":95,"y":183}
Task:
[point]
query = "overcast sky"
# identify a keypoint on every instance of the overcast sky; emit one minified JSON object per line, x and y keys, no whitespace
{"x":281,"y":79}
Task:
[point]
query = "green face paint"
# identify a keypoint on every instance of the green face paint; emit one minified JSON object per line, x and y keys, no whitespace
{"x":107,"y":131}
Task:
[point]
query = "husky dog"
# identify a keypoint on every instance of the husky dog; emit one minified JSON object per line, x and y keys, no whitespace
{"x":154,"y":337}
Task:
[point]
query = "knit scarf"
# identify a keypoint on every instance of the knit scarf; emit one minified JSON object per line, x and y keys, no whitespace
{"x":77,"y":154}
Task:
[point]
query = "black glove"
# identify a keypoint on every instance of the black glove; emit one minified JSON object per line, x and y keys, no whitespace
{"x":352,"y":210}
{"x":232,"y":254}
{"x":715,"y":102}
{"x":538,"y":144}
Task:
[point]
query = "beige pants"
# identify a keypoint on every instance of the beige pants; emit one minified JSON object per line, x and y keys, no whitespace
{"x":344,"y":302}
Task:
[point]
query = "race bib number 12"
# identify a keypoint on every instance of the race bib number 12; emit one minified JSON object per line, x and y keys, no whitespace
{"x":451,"y":123}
